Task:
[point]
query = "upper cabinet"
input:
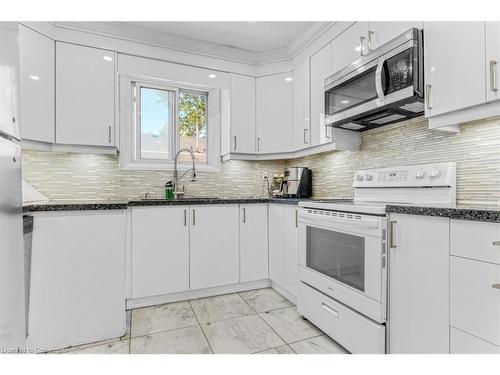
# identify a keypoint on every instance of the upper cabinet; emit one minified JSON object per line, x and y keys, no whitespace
{"x":350,"y":45}
{"x":242,"y":114}
{"x":492,"y":60}
{"x":455,"y":75}
{"x":37,"y":77}
{"x":274,"y":113}
{"x":301,"y":123}
{"x":85,"y":95}
{"x":381,"y":32}
{"x":321,"y":67}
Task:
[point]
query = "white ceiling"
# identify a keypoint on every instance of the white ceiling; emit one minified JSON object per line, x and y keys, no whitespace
{"x":255,"y":37}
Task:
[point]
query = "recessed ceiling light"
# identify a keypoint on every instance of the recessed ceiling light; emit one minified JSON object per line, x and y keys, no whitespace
{"x":288,"y":79}
{"x":345,"y":101}
{"x":212,"y":76}
{"x":35,"y":78}
{"x":107,"y":58}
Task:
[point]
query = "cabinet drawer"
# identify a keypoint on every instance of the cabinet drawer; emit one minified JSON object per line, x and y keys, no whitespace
{"x":475,"y":240}
{"x":474,"y":302}
{"x":355,"y":332}
{"x":464,"y":343}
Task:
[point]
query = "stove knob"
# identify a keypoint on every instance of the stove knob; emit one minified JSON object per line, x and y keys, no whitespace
{"x":435,"y":173}
{"x":359,"y":177}
{"x":368,"y":177}
{"x":420,"y":174}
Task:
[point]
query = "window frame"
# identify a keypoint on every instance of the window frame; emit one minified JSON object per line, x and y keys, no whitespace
{"x":129,"y":154}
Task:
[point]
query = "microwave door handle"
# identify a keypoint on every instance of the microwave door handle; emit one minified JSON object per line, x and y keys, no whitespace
{"x":378,"y":80}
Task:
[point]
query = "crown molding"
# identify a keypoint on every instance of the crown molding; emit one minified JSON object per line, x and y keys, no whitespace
{"x":133,"y":33}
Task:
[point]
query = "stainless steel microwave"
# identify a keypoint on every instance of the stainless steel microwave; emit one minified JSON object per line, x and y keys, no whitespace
{"x":380,"y":88}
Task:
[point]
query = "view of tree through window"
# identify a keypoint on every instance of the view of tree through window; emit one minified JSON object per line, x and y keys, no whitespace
{"x":156,"y":117}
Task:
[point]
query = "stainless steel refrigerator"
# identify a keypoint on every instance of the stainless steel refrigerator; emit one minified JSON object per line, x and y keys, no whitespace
{"x":12,"y":269}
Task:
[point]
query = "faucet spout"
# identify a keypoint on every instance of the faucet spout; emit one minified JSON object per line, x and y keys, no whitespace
{"x":176,"y":172}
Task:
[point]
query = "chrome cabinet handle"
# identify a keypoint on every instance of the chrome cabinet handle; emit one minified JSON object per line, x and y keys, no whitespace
{"x":185,"y":217}
{"x":370,"y":42}
{"x":496,"y":243}
{"x":234,"y":142}
{"x":361,"y":43}
{"x":428,"y":96}
{"x":493,"y":75}
{"x":244,"y":215}
{"x":258,"y":143}
{"x":305,"y":136}
{"x":496,"y":286}
{"x":194,"y":217}
{"x":392,"y":229}
{"x":109,"y":134}
{"x":296,"y":218}
{"x":326,"y":132}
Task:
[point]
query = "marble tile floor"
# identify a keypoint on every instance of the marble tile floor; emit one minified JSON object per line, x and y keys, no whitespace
{"x":258,"y":321}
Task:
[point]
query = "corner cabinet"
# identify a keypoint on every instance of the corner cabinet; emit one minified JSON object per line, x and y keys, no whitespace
{"x":85,"y":95}
{"x":242,"y":114}
{"x":274,"y":113}
{"x":301,"y":121}
{"x":37,"y":77}
{"x":492,"y":60}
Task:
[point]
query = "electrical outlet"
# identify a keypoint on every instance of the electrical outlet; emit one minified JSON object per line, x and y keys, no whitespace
{"x":264,"y":175}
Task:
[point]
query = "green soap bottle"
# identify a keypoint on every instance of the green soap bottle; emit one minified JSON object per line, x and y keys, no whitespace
{"x":169,"y":190}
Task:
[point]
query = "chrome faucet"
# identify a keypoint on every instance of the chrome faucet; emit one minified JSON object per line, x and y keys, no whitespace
{"x":176,"y":173}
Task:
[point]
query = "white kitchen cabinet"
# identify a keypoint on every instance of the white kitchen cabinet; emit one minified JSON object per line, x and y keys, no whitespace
{"x":85,"y":95}
{"x":291,"y":238}
{"x":464,"y":343}
{"x":160,"y":250}
{"x":77,"y":291}
{"x":492,"y":60}
{"x":253,"y":242}
{"x":214,"y":258}
{"x":276,"y":244}
{"x":454,"y":66}
{"x":475,"y":298}
{"x":475,"y":240}
{"x":419,"y":285}
{"x":37,"y":84}
{"x":301,"y":123}
{"x":274,"y":113}
{"x":242,"y":114}
{"x":349,"y":46}
{"x":381,"y":32}
{"x":321,"y":68}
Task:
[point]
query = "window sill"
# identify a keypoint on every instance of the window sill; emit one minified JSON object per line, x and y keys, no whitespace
{"x":167,"y":167}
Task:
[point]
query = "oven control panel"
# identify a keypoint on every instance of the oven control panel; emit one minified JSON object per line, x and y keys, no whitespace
{"x":421,"y":175}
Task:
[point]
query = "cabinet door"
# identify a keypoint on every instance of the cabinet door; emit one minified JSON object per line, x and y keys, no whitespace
{"x":37,"y":72}
{"x":274,"y":113}
{"x":291,"y":233}
{"x":381,"y":32}
{"x":349,"y":46}
{"x":419,"y":285}
{"x":253,"y":243}
{"x":276,"y":244}
{"x":455,"y":77}
{"x":214,"y":251}
{"x":242,"y":114}
{"x":85,"y":95}
{"x":160,"y":250}
{"x":492,"y":60}
{"x":301,"y":125}
{"x":321,"y":67}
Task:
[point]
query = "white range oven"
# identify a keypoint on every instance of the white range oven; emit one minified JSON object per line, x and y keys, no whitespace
{"x":342,"y":256}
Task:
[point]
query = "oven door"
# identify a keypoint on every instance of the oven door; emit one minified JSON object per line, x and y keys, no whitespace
{"x":343,"y":256}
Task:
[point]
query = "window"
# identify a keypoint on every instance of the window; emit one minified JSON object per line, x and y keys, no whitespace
{"x":168,"y":119}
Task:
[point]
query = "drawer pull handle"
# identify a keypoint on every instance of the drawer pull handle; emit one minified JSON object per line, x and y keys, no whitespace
{"x":496,"y":243}
{"x":496,"y":286}
{"x":330,"y":309}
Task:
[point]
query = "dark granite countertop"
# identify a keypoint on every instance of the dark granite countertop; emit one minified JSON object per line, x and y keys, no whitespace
{"x":121,"y":205}
{"x":460,"y":212}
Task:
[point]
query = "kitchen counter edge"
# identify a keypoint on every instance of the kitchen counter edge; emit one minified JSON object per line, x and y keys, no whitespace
{"x":488,"y":214}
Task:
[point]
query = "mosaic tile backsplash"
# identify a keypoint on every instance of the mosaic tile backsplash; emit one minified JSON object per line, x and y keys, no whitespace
{"x":476,"y":149}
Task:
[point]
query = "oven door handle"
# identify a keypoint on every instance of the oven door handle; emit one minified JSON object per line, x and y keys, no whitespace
{"x":378,"y":81}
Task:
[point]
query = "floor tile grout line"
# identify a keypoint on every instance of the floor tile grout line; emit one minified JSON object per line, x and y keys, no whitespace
{"x":163,"y":331}
{"x":201,"y":328}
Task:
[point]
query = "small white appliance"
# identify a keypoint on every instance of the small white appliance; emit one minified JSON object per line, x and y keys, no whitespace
{"x":342,"y":259}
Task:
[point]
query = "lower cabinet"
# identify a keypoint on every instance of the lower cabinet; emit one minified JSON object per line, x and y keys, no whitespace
{"x":419,"y":285}
{"x":464,"y":343}
{"x":160,"y":250}
{"x":291,"y":232}
{"x":254,"y":254}
{"x":77,"y":289}
{"x":276,"y":244}
{"x":214,"y":258}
